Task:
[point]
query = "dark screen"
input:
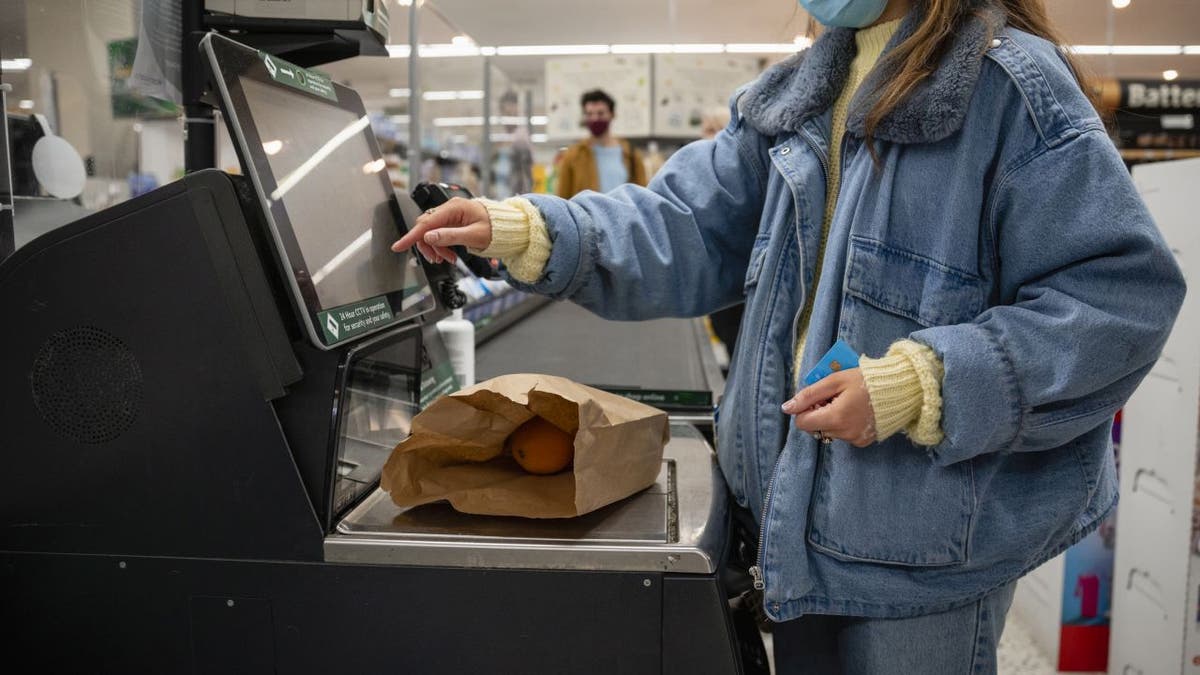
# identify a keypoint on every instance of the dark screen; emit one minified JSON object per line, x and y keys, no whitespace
{"x":327,"y":179}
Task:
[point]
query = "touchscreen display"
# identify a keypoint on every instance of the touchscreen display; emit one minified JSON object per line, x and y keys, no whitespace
{"x":327,"y":180}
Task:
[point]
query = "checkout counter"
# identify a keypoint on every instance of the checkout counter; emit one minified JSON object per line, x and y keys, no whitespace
{"x":200,"y":387}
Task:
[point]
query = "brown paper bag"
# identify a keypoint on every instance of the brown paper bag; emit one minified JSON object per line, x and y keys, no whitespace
{"x":456,"y":449}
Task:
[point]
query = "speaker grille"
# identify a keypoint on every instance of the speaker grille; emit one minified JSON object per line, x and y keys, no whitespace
{"x":87,"y":385}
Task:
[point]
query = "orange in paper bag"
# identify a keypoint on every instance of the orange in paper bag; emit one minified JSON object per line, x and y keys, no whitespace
{"x":456,"y":451}
{"x":540,"y":447}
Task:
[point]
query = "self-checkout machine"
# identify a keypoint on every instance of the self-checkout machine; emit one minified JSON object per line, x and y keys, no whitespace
{"x":200,"y":387}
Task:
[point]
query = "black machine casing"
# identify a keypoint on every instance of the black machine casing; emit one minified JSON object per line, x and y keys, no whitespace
{"x":168,"y":439}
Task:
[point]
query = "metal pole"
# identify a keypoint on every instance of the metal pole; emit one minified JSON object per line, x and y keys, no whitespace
{"x":527,"y":112}
{"x":485,"y":162}
{"x":8,"y":242}
{"x":199,"y":123}
{"x":414,"y":98}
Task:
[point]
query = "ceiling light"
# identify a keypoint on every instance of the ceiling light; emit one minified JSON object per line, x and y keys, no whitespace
{"x":698,"y":49}
{"x":538,"y":138}
{"x":272,"y":147}
{"x":1120,"y":4}
{"x":551,"y":50}
{"x":15,"y":64}
{"x":445,"y":50}
{"x":462,"y":41}
{"x":1150,"y":50}
{"x":761,"y":48}
{"x":399,"y":93}
{"x":1169,"y":75}
{"x":398,"y":51}
{"x":802,"y":42}
{"x":1191,"y":49}
{"x":399,"y":119}
{"x":641,"y":49}
{"x":487,"y":51}
{"x":25,"y":104}
{"x":1127,"y":50}
{"x":471,"y":95}
{"x":458,"y":121}
{"x":539,"y":120}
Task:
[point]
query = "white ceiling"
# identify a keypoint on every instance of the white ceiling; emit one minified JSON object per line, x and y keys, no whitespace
{"x":565,"y":22}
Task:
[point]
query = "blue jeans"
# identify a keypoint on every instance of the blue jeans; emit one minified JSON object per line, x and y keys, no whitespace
{"x":956,"y":642}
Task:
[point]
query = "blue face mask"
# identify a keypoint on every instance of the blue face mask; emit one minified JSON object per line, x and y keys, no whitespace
{"x":845,"y":13}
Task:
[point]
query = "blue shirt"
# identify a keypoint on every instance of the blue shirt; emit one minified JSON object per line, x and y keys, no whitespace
{"x":610,"y":166}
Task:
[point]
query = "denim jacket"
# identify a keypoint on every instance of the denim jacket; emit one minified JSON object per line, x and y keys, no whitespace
{"x":999,"y":227}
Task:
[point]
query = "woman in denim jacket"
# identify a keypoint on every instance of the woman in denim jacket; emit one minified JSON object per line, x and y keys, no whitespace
{"x":929,"y":183}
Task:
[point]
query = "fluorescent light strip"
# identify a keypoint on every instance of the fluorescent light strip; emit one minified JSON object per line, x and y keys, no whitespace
{"x":698,"y":49}
{"x":451,"y":50}
{"x":552,"y":50}
{"x":1133,"y":50}
{"x":538,"y":138}
{"x":472,"y":95}
{"x":762,"y":48}
{"x":444,"y":50}
{"x":641,"y":49}
{"x":458,"y":121}
{"x":399,"y":93}
{"x":536,"y":120}
{"x":1151,"y":50}
{"x":319,"y":156}
{"x":15,"y":64}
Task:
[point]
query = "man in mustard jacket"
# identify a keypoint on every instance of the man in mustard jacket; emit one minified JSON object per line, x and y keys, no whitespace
{"x":602,"y":161}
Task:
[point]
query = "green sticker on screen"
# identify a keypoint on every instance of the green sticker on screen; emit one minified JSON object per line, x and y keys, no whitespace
{"x":342,"y":323}
{"x":311,"y":81}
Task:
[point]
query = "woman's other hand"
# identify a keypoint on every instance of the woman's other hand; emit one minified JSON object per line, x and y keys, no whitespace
{"x":838,"y":406}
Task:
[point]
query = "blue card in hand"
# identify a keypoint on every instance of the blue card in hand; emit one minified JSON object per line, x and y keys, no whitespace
{"x":839,"y":357}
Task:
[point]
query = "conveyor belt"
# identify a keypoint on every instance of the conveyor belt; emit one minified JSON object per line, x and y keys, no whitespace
{"x":566,"y":340}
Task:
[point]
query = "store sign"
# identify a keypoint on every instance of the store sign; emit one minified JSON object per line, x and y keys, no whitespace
{"x":1160,"y":95}
{"x":341,"y":323}
{"x":311,"y":81}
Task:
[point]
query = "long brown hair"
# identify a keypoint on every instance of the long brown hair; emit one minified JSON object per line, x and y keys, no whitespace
{"x":917,"y":57}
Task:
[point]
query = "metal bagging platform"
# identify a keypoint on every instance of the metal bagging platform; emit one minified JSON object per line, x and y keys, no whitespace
{"x":675,"y":525}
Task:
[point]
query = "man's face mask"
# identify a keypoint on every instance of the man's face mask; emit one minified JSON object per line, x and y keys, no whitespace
{"x":598,"y":127}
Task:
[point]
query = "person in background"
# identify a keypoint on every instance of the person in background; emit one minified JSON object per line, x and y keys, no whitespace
{"x":601,"y":162}
{"x":931,"y":184}
{"x":520,"y":148}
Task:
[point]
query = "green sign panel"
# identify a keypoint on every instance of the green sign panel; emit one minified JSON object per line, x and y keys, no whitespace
{"x":437,"y":382}
{"x":667,"y":398}
{"x":347,"y":321}
{"x":311,"y":81}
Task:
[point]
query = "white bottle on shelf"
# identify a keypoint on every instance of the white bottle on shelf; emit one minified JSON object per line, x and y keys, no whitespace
{"x":459,"y":336}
